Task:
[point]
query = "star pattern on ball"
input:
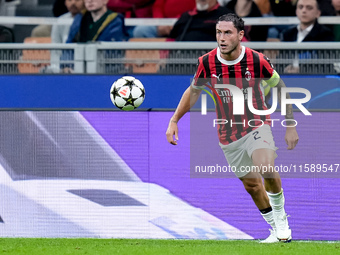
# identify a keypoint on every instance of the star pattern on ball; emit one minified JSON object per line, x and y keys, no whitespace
{"x":127,"y":93}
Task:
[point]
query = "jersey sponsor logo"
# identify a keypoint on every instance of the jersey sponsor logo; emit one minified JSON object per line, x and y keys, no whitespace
{"x":226,"y":95}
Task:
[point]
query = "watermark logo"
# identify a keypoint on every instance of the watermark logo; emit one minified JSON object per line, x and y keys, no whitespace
{"x":237,"y":96}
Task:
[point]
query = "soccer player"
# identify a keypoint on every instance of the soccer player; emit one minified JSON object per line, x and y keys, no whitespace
{"x":244,"y":145}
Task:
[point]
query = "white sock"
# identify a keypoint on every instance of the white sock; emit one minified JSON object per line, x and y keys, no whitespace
{"x":269,"y":218}
{"x":277,"y":202}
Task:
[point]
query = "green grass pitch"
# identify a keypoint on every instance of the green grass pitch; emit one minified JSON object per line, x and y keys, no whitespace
{"x":47,"y":246}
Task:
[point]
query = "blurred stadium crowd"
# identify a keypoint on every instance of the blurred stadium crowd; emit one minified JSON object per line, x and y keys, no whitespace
{"x":104,"y":20}
{"x":192,"y":15}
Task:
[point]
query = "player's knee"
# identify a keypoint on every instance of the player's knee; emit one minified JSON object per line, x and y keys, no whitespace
{"x":253,"y":187}
{"x":265,"y":166}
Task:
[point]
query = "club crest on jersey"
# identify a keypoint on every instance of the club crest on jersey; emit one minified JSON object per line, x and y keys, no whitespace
{"x":247,"y":76}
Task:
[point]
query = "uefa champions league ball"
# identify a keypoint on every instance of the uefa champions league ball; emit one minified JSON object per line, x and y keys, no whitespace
{"x":127,"y":93}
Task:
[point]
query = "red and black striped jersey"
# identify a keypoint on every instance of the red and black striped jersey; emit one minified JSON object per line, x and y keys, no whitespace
{"x":246,"y":71}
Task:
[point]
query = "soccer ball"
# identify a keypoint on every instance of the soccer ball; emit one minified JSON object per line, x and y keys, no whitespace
{"x":127,"y":93}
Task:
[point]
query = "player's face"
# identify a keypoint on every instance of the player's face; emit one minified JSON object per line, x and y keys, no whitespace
{"x":95,"y":5}
{"x":307,"y":11}
{"x":228,"y":38}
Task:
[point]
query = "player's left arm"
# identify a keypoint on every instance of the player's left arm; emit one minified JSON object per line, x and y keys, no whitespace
{"x":291,"y":136}
{"x":272,"y":78}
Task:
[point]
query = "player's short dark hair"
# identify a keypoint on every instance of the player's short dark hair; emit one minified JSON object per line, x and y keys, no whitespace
{"x":232,"y":17}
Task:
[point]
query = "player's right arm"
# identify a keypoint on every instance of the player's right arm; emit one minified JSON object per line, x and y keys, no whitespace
{"x":189,"y":98}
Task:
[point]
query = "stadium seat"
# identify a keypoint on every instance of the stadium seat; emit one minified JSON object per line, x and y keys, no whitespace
{"x":34,"y":60}
{"x":136,"y":57}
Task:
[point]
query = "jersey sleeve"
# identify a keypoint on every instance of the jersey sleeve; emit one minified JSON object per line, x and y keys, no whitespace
{"x":199,"y":79}
{"x":270,"y":76}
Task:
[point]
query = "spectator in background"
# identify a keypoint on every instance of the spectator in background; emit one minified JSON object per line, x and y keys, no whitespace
{"x":309,"y":30}
{"x":97,"y":23}
{"x":59,"y":8}
{"x":264,"y":7}
{"x":326,"y":7}
{"x":336,"y":6}
{"x":60,"y":32}
{"x":280,"y":8}
{"x":223,"y":2}
{"x":247,"y":8}
{"x":283,"y":8}
{"x":199,"y":23}
{"x":336,"y":28}
{"x":42,"y":31}
{"x":6,"y":35}
{"x":163,"y":9}
{"x":6,"y":7}
{"x":132,"y":9}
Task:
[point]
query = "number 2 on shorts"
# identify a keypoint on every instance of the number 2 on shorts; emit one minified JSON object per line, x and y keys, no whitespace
{"x":255,"y":135}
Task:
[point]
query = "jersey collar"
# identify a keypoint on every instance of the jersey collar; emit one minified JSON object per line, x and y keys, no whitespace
{"x":232,"y":62}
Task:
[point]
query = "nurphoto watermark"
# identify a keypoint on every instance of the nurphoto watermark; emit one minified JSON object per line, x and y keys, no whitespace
{"x":227,"y":94}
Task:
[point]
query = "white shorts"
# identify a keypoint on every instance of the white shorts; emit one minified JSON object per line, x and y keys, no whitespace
{"x":238,"y":153}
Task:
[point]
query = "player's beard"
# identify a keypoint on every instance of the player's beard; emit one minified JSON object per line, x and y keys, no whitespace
{"x":228,"y":52}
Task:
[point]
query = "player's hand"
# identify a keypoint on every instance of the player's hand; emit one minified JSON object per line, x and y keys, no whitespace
{"x":171,"y":132}
{"x":291,"y":137}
